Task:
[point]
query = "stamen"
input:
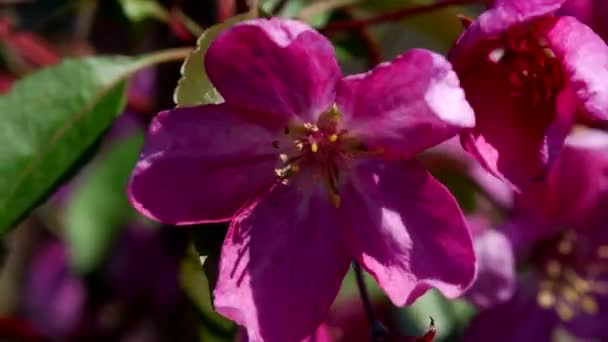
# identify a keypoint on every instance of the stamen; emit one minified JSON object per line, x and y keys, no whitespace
{"x":496,"y":55}
{"x":565,"y":247}
{"x":554,"y":268}
{"x":564,"y":311}
{"x":589,"y":305}
{"x":314,"y":147}
{"x":570,"y":294}
{"x":334,"y":198}
{"x":333,"y":138}
{"x":602,"y":252}
{"x":545,"y":299}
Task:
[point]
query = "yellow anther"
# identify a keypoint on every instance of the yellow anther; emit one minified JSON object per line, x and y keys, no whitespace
{"x":570,"y":294}
{"x":545,"y":299}
{"x":333,"y":138}
{"x":314,"y":147}
{"x":554,"y":268}
{"x":589,"y":305}
{"x":334,"y":199}
{"x":602,"y":252}
{"x":564,"y":311}
{"x":565,"y":247}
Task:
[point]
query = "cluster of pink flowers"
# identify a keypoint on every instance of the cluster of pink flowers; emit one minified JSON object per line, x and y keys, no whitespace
{"x":314,"y":169}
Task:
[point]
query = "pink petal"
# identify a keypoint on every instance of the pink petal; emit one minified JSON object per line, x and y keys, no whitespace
{"x":282,"y":264}
{"x":406,"y":229}
{"x":201,"y":164}
{"x":512,"y":139}
{"x":585,"y":58}
{"x":569,"y":195}
{"x":405,"y":106}
{"x":495,"y":282}
{"x":506,"y":13}
{"x":276,"y":69}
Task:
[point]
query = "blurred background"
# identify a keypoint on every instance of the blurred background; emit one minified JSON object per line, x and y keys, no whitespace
{"x":85,"y":266}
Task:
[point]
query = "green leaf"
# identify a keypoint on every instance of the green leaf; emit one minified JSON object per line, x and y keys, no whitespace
{"x":49,"y":120}
{"x":197,"y":286}
{"x":194,"y":87}
{"x":98,"y":209}
{"x":138,"y":10}
{"x":52,"y":118}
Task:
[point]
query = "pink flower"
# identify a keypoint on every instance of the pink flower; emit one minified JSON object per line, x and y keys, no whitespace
{"x":526,"y":73}
{"x":558,"y":229}
{"x":314,"y":169}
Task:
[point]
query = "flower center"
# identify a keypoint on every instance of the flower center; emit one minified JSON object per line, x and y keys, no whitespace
{"x":572,"y":275}
{"x":317,"y":152}
{"x":535,"y":74}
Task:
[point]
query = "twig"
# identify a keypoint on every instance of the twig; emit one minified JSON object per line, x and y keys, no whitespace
{"x":373,"y":55}
{"x":378,"y":330}
{"x":392,"y":16}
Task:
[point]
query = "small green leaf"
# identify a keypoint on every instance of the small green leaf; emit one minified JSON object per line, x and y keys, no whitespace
{"x":197,"y":286}
{"x":99,"y":208}
{"x":194,"y":87}
{"x":138,"y":10}
{"x":49,"y":120}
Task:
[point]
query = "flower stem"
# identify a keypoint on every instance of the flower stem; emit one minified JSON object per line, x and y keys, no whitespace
{"x":345,"y":25}
{"x":378,"y":330}
{"x":163,"y":56}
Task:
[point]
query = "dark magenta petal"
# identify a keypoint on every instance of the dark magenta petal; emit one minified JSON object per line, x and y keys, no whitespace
{"x":54,"y":296}
{"x":278,"y":70}
{"x":282,"y":264}
{"x":405,"y":106}
{"x":201,"y":164}
{"x":406,"y":229}
{"x":584,"y":56}
{"x":519,"y":319}
{"x":512,"y":139}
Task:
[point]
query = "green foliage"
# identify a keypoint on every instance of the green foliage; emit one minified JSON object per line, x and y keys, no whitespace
{"x":48,"y":121}
{"x":99,"y":208}
{"x":197,"y":285}
{"x":194,"y":87}
{"x":138,"y":10}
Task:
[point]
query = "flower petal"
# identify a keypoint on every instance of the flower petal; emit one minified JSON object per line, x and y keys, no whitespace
{"x":506,"y":13}
{"x":569,"y":195}
{"x":282,"y":265}
{"x":585,"y":58}
{"x":495,"y":282}
{"x":201,"y":164}
{"x":406,"y":229}
{"x":519,"y":319}
{"x":512,"y":139}
{"x":280,"y":68}
{"x":405,"y":106}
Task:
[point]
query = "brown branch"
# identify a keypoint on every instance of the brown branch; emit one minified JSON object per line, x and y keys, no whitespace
{"x":344,"y":25}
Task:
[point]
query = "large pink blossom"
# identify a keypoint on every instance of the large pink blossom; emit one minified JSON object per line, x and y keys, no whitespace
{"x":527,"y":74}
{"x":314,"y":169}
